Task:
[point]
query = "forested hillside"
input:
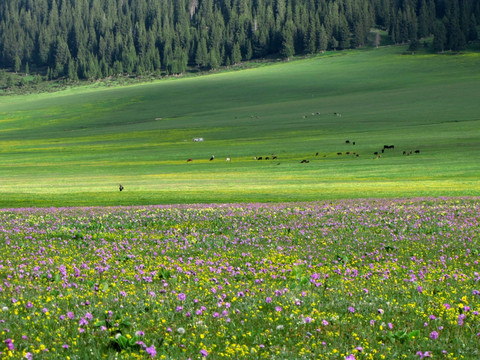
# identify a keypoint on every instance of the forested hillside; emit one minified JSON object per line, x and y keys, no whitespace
{"x":98,"y":38}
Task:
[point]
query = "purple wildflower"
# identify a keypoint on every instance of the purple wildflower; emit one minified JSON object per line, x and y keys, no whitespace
{"x":151,"y":351}
{"x":9,"y":343}
{"x":426,"y":354}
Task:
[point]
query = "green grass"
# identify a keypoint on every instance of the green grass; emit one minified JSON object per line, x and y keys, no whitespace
{"x":74,"y":147}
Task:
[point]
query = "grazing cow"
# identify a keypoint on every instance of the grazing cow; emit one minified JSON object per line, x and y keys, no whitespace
{"x":353,"y":143}
{"x":357,"y":155}
{"x":259,"y":158}
{"x":213,"y":157}
{"x":347,"y":142}
{"x":274,"y":157}
{"x":227,"y":159}
{"x":389,"y":146}
{"x":404,"y":153}
{"x":189,"y":160}
{"x":120,"y":187}
{"x":267,"y":158}
{"x":337,"y":114}
{"x":383,"y":150}
{"x":348,"y":153}
{"x":304,"y":161}
{"x":339,"y":153}
{"x":375,"y":153}
{"x":417,"y":151}
{"x":316,"y":154}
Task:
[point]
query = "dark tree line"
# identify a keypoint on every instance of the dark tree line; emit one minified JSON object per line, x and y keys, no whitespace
{"x":99,"y":38}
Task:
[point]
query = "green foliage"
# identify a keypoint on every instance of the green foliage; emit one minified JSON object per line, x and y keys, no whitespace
{"x":148,"y":37}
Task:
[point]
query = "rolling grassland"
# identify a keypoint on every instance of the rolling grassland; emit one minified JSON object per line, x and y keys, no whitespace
{"x":75,"y":147}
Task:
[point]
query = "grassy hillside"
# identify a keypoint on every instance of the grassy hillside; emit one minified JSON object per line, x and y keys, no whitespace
{"x":75,"y":147}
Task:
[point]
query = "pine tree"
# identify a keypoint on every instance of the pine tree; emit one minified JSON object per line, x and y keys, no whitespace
{"x":322,"y":39}
{"x":439,"y":36}
{"x":201,"y":56}
{"x":17,"y":64}
{"x":310,"y":39}
{"x":287,"y":49}
{"x":236,"y":54}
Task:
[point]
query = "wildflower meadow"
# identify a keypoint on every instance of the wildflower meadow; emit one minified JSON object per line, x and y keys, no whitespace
{"x":352,"y":279}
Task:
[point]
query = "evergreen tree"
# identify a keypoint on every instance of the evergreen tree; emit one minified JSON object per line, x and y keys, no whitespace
{"x":322,"y":39}
{"x":201,"y":56}
{"x":236,"y":54}
{"x":439,"y":36}
{"x":287,"y":49}
{"x":17,"y":64}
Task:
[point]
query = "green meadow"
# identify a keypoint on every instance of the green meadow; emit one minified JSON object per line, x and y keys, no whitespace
{"x":73,"y":148}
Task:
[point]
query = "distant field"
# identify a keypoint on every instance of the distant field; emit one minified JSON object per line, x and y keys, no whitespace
{"x":75,"y":147}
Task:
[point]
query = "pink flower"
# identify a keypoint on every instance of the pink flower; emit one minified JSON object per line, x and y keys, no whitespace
{"x":434,"y":335}
{"x":9,"y":343}
{"x":204,"y":353}
{"x":151,"y":351}
{"x":424,"y":355}
{"x":181,"y":297}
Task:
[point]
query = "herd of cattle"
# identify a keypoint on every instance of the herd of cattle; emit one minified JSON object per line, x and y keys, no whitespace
{"x":377,"y":154}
